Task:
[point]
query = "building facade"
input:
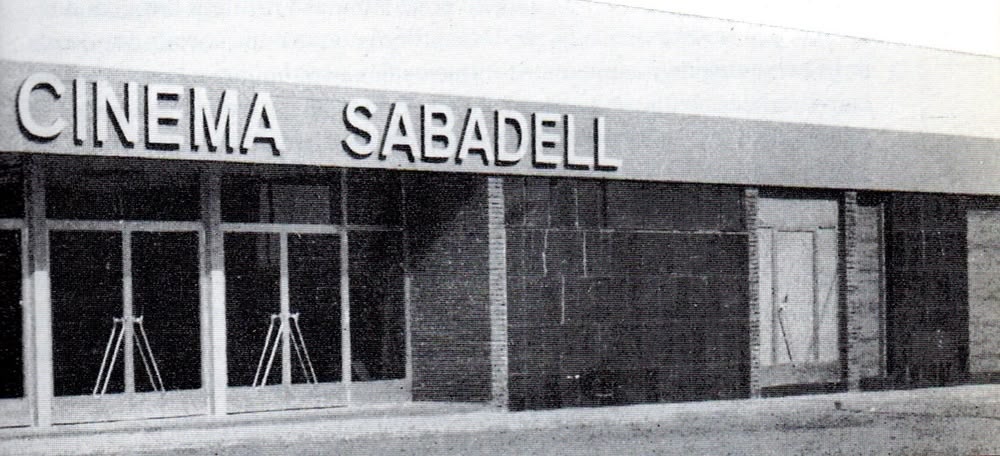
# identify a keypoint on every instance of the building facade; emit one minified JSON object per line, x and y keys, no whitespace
{"x":183,"y":244}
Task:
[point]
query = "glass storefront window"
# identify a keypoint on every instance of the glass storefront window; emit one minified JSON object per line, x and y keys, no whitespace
{"x":11,"y":366}
{"x":278,"y":199}
{"x":273,"y":269}
{"x":11,"y":191}
{"x":373,"y":198}
{"x":76,"y":192}
{"x":377,"y":308}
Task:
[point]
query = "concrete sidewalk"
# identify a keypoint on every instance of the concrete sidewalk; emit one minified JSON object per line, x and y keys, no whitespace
{"x":420,"y":419}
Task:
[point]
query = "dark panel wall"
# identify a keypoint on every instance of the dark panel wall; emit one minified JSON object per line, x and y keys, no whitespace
{"x":446,"y":222}
{"x":927,"y":310}
{"x":623,"y":292}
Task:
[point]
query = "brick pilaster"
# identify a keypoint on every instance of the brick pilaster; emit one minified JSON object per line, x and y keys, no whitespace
{"x":498,"y":294}
{"x":750,"y":197}
{"x":850,"y":278}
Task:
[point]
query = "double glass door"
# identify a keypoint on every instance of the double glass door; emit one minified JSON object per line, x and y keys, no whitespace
{"x":126,"y":305}
{"x":283,"y":308}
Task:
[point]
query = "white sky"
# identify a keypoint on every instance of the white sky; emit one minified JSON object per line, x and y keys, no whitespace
{"x":961,"y":25}
{"x":580,"y":52}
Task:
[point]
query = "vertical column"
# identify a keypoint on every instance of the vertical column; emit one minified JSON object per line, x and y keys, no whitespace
{"x":38,"y":333}
{"x":204,"y":297}
{"x":817,"y":297}
{"x":407,"y":285}
{"x":127,"y":313}
{"x":285,"y":309}
{"x":407,"y":317}
{"x":27,"y":334}
{"x":499,"y":355}
{"x":850,"y":279}
{"x":214,"y":326}
{"x":345,"y":291}
{"x":750,"y":199}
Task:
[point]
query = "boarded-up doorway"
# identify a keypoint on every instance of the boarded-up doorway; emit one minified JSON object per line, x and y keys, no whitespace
{"x":798,"y":245}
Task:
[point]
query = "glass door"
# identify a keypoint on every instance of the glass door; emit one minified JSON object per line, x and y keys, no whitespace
{"x":126,"y":309}
{"x":283,"y":313}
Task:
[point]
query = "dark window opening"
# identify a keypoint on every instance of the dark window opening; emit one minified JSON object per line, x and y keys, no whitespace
{"x":252,"y":281}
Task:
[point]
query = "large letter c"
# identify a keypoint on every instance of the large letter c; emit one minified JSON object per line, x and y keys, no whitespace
{"x":45,"y":81}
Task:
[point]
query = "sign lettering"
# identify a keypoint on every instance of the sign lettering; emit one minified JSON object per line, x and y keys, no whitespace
{"x":502,"y":140}
{"x":158,"y":117}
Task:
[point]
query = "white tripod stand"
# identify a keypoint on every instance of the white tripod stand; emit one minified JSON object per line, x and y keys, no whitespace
{"x":298,"y":343}
{"x":145,"y":352}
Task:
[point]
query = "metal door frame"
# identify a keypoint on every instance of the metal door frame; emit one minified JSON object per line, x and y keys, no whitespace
{"x":84,"y":407}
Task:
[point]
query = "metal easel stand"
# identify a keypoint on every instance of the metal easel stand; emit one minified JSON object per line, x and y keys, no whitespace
{"x":290,"y":323}
{"x":145,"y":353}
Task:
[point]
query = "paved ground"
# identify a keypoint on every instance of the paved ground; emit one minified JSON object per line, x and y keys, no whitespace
{"x":960,"y":420}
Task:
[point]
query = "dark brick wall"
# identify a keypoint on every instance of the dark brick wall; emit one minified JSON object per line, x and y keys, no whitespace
{"x":927,"y":284}
{"x":446,"y":220}
{"x":623,"y":292}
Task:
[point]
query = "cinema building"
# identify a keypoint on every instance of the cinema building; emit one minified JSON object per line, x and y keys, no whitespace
{"x":178,"y":243}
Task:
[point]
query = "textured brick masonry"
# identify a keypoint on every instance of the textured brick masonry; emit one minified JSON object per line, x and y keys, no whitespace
{"x":750,"y":198}
{"x":498,"y":293}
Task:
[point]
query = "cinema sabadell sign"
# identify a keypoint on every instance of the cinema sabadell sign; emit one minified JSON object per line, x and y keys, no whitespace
{"x":153,"y":119}
{"x":57,"y":109}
